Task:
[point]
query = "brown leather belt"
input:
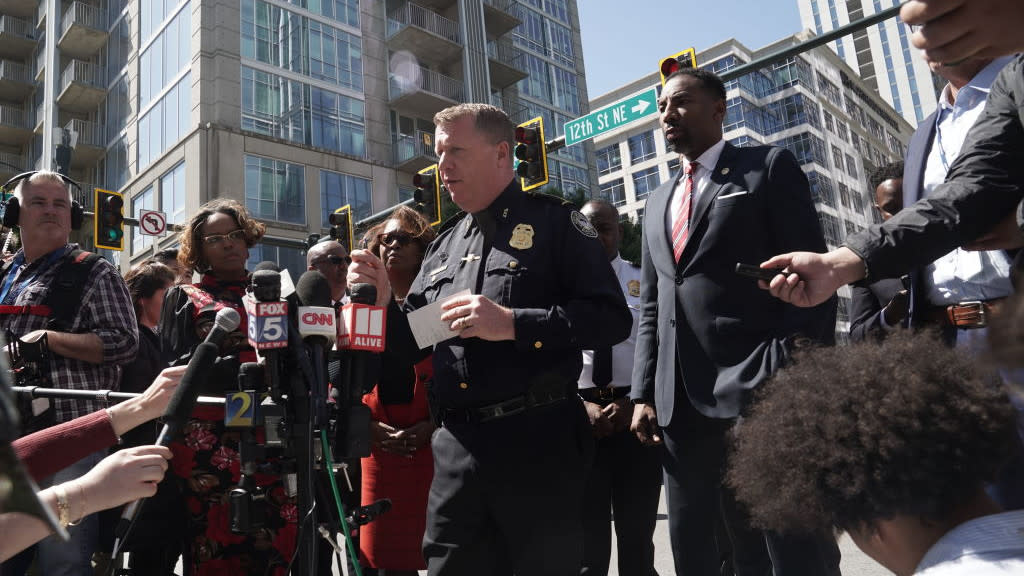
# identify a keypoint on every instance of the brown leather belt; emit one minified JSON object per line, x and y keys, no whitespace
{"x":966,"y":315}
{"x":604,"y":395}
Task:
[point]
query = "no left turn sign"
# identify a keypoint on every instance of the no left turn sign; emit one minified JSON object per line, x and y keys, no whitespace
{"x":152,"y":223}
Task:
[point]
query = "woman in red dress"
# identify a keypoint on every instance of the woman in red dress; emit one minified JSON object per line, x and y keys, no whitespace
{"x":400,"y":466}
{"x":216,"y":242}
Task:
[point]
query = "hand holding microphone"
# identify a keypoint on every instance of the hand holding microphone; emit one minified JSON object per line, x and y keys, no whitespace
{"x":367,"y":268}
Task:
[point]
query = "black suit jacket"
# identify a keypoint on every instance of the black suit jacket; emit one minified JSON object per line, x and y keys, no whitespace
{"x":866,"y":307}
{"x":723,"y":333}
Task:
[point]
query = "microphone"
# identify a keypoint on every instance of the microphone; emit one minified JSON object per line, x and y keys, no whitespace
{"x":184,"y":399}
{"x":316,"y":320}
{"x":362,"y":322}
{"x":266,"y":313}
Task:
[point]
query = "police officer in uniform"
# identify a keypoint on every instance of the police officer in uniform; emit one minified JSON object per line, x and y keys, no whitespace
{"x":511,"y":451}
{"x":626,"y":475}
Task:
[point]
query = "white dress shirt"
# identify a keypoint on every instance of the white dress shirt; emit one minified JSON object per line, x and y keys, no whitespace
{"x":987,"y":546}
{"x":622,"y":353}
{"x":706,"y":163}
{"x":961,"y":275}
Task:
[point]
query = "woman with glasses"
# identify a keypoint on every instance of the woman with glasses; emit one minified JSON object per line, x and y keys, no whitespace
{"x":216,"y":243}
{"x":400,"y":466}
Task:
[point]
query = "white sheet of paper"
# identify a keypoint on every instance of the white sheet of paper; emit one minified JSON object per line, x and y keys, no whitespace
{"x":426,"y":324}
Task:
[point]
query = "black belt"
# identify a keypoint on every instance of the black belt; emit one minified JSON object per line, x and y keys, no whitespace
{"x":604,"y":395}
{"x":510,"y":407}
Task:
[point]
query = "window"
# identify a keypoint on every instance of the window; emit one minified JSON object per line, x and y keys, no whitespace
{"x":841,"y":130}
{"x":145,"y":200}
{"x":833,"y":231}
{"x":172,"y":194}
{"x":645,"y":181}
{"x":561,"y":44}
{"x":275,"y":190}
{"x":837,"y":157}
{"x":829,"y":125}
{"x":609,"y":159}
{"x":673,"y":166}
{"x":844,"y":195}
{"x":530,"y":34}
{"x":280,"y":37}
{"x":614,"y":191}
{"x":337,"y":190}
{"x":806,"y":147}
{"x":566,"y":96}
{"x":538,"y":83}
{"x":166,"y":57}
{"x":295,"y":111}
{"x":821,"y":188}
{"x":344,"y":11}
{"x":290,"y":259}
{"x":851,"y":165}
{"x":166,"y":122}
{"x":641,"y":147}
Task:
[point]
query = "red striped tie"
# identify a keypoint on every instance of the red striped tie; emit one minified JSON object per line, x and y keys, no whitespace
{"x":681,"y":217}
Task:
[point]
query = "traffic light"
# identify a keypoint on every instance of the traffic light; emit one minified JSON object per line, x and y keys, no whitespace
{"x":532,"y":156}
{"x":685,"y":59}
{"x":341,"y":226}
{"x":108,"y":222}
{"x":428,"y":193}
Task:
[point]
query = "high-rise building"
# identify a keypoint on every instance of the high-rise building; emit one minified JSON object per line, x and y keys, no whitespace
{"x":813,"y":104}
{"x":293,"y":107}
{"x":881,"y":54}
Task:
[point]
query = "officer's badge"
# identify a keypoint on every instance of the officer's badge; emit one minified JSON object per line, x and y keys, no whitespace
{"x":582,"y":223}
{"x":522,"y":237}
{"x":633,"y":287}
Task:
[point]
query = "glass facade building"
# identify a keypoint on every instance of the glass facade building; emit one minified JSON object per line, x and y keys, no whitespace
{"x":813,"y":104}
{"x":881,"y":54}
{"x":292,"y":107}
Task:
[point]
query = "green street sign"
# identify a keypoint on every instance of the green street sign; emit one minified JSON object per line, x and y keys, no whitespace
{"x":635,"y":107}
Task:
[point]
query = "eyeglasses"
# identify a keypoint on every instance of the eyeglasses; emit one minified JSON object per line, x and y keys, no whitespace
{"x":396,"y":237}
{"x":333,"y":259}
{"x":234,"y":236}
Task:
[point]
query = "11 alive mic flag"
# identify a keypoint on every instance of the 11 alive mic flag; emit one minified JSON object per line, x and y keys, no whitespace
{"x":361,"y":327}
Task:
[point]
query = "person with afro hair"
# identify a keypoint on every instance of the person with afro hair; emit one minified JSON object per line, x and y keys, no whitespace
{"x":898,"y":458}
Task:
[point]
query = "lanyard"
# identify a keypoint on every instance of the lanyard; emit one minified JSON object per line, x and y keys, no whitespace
{"x":16,"y":265}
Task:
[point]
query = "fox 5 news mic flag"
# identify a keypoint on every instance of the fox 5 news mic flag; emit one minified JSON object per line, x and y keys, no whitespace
{"x":268,"y":323}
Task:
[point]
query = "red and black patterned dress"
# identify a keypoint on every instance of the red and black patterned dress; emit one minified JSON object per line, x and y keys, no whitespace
{"x":206,"y":459}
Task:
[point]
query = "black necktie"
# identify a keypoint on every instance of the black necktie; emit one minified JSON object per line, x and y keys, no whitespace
{"x":602,"y":367}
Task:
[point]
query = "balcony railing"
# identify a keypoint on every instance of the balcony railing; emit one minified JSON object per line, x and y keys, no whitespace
{"x":503,"y":5}
{"x":14,"y":71}
{"x":82,"y":72}
{"x":84,"y":15}
{"x":414,"y":15}
{"x":11,"y":162}
{"x":516,"y":110}
{"x":40,"y":14}
{"x":11,"y":116}
{"x":429,"y":81}
{"x":505,"y":52}
{"x":409,"y":146}
{"x":16,"y":27}
{"x":40,"y":61}
{"x":89,"y":133}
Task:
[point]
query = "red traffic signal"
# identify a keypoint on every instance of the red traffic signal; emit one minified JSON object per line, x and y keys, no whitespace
{"x":531,"y":154}
{"x":685,"y":59}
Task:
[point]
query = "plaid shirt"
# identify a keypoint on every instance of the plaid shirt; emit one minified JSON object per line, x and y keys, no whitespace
{"x":106,"y":311}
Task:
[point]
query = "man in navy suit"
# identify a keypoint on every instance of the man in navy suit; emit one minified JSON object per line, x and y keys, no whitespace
{"x":960,"y":290}
{"x":707,"y":337}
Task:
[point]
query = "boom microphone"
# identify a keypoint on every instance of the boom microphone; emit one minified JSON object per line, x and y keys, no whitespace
{"x":184,"y":399}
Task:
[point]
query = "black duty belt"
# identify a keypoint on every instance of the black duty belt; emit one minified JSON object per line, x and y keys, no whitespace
{"x":510,"y":407}
{"x":604,"y":395}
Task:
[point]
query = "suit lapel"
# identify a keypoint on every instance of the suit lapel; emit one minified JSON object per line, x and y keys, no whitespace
{"x":917,"y":158}
{"x":707,"y":197}
{"x":659,"y":207}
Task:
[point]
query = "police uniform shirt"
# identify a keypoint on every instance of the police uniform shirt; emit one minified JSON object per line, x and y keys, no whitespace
{"x":542,"y":260}
{"x":622,"y":353}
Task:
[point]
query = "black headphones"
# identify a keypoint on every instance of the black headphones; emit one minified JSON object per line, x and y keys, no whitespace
{"x":12,"y":209}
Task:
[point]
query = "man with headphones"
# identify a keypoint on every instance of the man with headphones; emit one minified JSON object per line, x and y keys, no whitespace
{"x":76,"y":301}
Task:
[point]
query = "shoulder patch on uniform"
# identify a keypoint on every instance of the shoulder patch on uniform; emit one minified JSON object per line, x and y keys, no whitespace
{"x":550,"y":198}
{"x":581,"y":223}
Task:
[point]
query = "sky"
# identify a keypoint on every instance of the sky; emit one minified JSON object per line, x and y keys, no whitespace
{"x":659,"y":28}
